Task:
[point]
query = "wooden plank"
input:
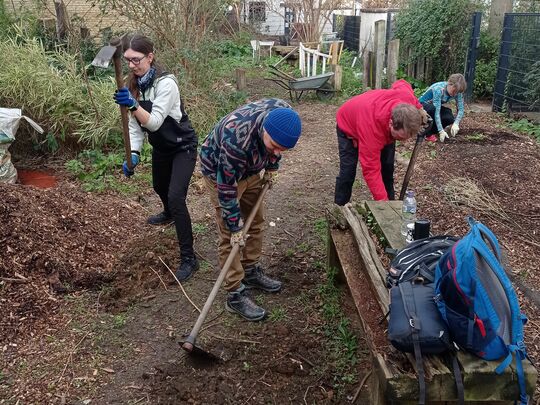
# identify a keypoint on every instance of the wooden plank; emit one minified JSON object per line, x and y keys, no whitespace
{"x":388,"y":218}
{"x":482,"y":383}
{"x":350,"y":261}
{"x":393,"y":60}
{"x":370,"y":263}
{"x":380,"y":51}
{"x":241,"y":83}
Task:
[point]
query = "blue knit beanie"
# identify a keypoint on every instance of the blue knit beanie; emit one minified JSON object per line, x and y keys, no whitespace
{"x":284,"y":126}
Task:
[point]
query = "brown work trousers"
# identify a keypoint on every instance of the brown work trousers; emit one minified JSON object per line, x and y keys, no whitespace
{"x":248,"y":192}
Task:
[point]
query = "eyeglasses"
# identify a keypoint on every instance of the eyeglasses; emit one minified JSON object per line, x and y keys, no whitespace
{"x":135,"y":61}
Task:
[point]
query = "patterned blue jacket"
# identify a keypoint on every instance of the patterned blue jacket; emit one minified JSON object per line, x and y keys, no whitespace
{"x":234,"y":150}
{"x":437,"y":95}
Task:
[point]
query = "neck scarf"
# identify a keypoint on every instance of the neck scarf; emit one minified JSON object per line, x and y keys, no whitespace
{"x":144,"y":82}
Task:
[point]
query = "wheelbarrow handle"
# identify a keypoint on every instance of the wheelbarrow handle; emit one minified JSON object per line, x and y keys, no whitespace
{"x":190,"y":340}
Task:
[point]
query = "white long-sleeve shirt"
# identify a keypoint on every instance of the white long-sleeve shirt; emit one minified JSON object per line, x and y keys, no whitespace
{"x":165,"y":97}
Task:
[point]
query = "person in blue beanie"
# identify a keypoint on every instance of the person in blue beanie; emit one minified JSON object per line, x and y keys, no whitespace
{"x":237,"y":158}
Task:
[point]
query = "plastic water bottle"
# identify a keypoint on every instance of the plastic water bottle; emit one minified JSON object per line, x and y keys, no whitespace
{"x":408,"y":212}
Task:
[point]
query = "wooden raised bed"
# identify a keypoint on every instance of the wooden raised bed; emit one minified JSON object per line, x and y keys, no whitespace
{"x":393,"y":381}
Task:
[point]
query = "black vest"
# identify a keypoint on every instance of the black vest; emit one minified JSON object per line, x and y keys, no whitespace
{"x":172,"y":136}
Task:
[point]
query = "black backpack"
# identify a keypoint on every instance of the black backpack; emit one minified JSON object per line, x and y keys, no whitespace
{"x":419,"y":258}
{"x":415,"y":324}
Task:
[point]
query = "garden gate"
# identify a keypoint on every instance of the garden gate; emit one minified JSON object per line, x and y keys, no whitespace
{"x":348,"y":29}
{"x":517,"y":86}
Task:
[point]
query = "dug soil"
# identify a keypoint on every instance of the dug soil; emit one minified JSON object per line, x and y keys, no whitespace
{"x":92,"y":315}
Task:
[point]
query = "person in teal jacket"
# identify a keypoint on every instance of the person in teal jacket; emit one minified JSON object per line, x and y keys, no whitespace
{"x":441,"y":93}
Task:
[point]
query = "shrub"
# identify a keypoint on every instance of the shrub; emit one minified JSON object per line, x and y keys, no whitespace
{"x":486,"y":65}
{"x":50,"y":87}
{"x":533,"y":80}
{"x":434,"y":29}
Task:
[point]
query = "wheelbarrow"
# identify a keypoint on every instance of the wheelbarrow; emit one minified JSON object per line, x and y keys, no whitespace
{"x":297,"y":87}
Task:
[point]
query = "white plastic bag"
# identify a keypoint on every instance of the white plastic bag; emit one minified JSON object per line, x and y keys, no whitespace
{"x":9,"y":123}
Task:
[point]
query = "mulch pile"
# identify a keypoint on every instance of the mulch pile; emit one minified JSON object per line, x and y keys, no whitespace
{"x":56,"y":241}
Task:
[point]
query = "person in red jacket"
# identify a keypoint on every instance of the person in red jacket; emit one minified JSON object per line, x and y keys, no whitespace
{"x":367,"y":127}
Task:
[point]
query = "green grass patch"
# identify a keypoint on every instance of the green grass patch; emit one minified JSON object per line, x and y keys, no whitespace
{"x":321,"y":229}
{"x":277,"y":314}
{"x":475,"y":137}
{"x":199,"y":229}
{"x":343,"y":344}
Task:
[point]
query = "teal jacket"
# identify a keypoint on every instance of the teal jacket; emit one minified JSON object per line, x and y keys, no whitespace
{"x":437,"y":95}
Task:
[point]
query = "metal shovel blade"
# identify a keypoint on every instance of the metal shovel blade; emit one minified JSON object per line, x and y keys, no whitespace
{"x":104,"y":56}
{"x":200,"y":353}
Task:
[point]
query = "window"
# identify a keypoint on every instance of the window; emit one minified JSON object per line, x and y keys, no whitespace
{"x":257,"y":11}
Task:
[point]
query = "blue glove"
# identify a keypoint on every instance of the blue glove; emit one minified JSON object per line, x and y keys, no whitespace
{"x":135,"y":159}
{"x":124,"y":97}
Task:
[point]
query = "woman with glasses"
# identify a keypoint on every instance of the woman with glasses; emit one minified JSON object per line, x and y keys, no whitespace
{"x":153,"y":98}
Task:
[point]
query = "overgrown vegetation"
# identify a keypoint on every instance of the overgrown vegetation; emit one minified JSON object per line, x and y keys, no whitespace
{"x":55,"y":84}
{"x":486,"y":65}
{"x":343,"y":345}
{"x":526,"y":127}
{"x":50,"y":87}
{"x":533,"y":91}
{"x":441,"y":38}
{"x":351,"y":83}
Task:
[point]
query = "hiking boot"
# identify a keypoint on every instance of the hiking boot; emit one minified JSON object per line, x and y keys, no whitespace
{"x":255,"y":278}
{"x":240,"y":303}
{"x":160,"y":219}
{"x":187,"y":267}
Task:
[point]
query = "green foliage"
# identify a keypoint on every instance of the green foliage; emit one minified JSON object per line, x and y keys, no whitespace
{"x":99,"y":172}
{"x":5,"y":19}
{"x":435,"y":29}
{"x":321,"y":229}
{"x":351,"y":83}
{"x":343,"y":341}
{"x":232,"y":48}
{"x":486,"y":65}
{"x":526,"y":127}
{"x":51,"y":88}
{"x":278,"y":314}
{"x":475,"y":137}
{"x":533,"y":79}
{"x":419,"y":87}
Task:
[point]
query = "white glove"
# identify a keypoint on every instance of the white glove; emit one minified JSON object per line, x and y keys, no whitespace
{"x":443,"y":135}
{"x":270,"y":176}
{"x":237,"y":238}
{"x":454,"y":130}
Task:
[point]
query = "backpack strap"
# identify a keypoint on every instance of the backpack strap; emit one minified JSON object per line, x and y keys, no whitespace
{"x":407,"y":296}
{"x":485,"y":234}
{"x":458,"y":378}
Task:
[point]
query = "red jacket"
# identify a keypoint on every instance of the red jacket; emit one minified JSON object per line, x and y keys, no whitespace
{"x":366,"y":120}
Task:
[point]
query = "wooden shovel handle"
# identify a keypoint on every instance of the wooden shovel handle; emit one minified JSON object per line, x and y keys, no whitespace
{"x":117,"y":62}
{"x":410,"y":167}
{"x":190,"y":340}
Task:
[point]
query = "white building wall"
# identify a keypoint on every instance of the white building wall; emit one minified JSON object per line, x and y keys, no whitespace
{"x":275,"y":19}
{"x":367,"y":28}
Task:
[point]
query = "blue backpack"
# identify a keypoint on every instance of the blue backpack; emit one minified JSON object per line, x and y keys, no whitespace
{"x":478,"y":302}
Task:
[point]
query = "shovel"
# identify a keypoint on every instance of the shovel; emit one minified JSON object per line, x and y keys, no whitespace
{"x":102,"y":60}
{"x":408,"y":174}
{"x":189,"y":344}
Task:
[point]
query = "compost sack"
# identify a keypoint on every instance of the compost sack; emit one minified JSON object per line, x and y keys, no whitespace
{"x":9,"y":123}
